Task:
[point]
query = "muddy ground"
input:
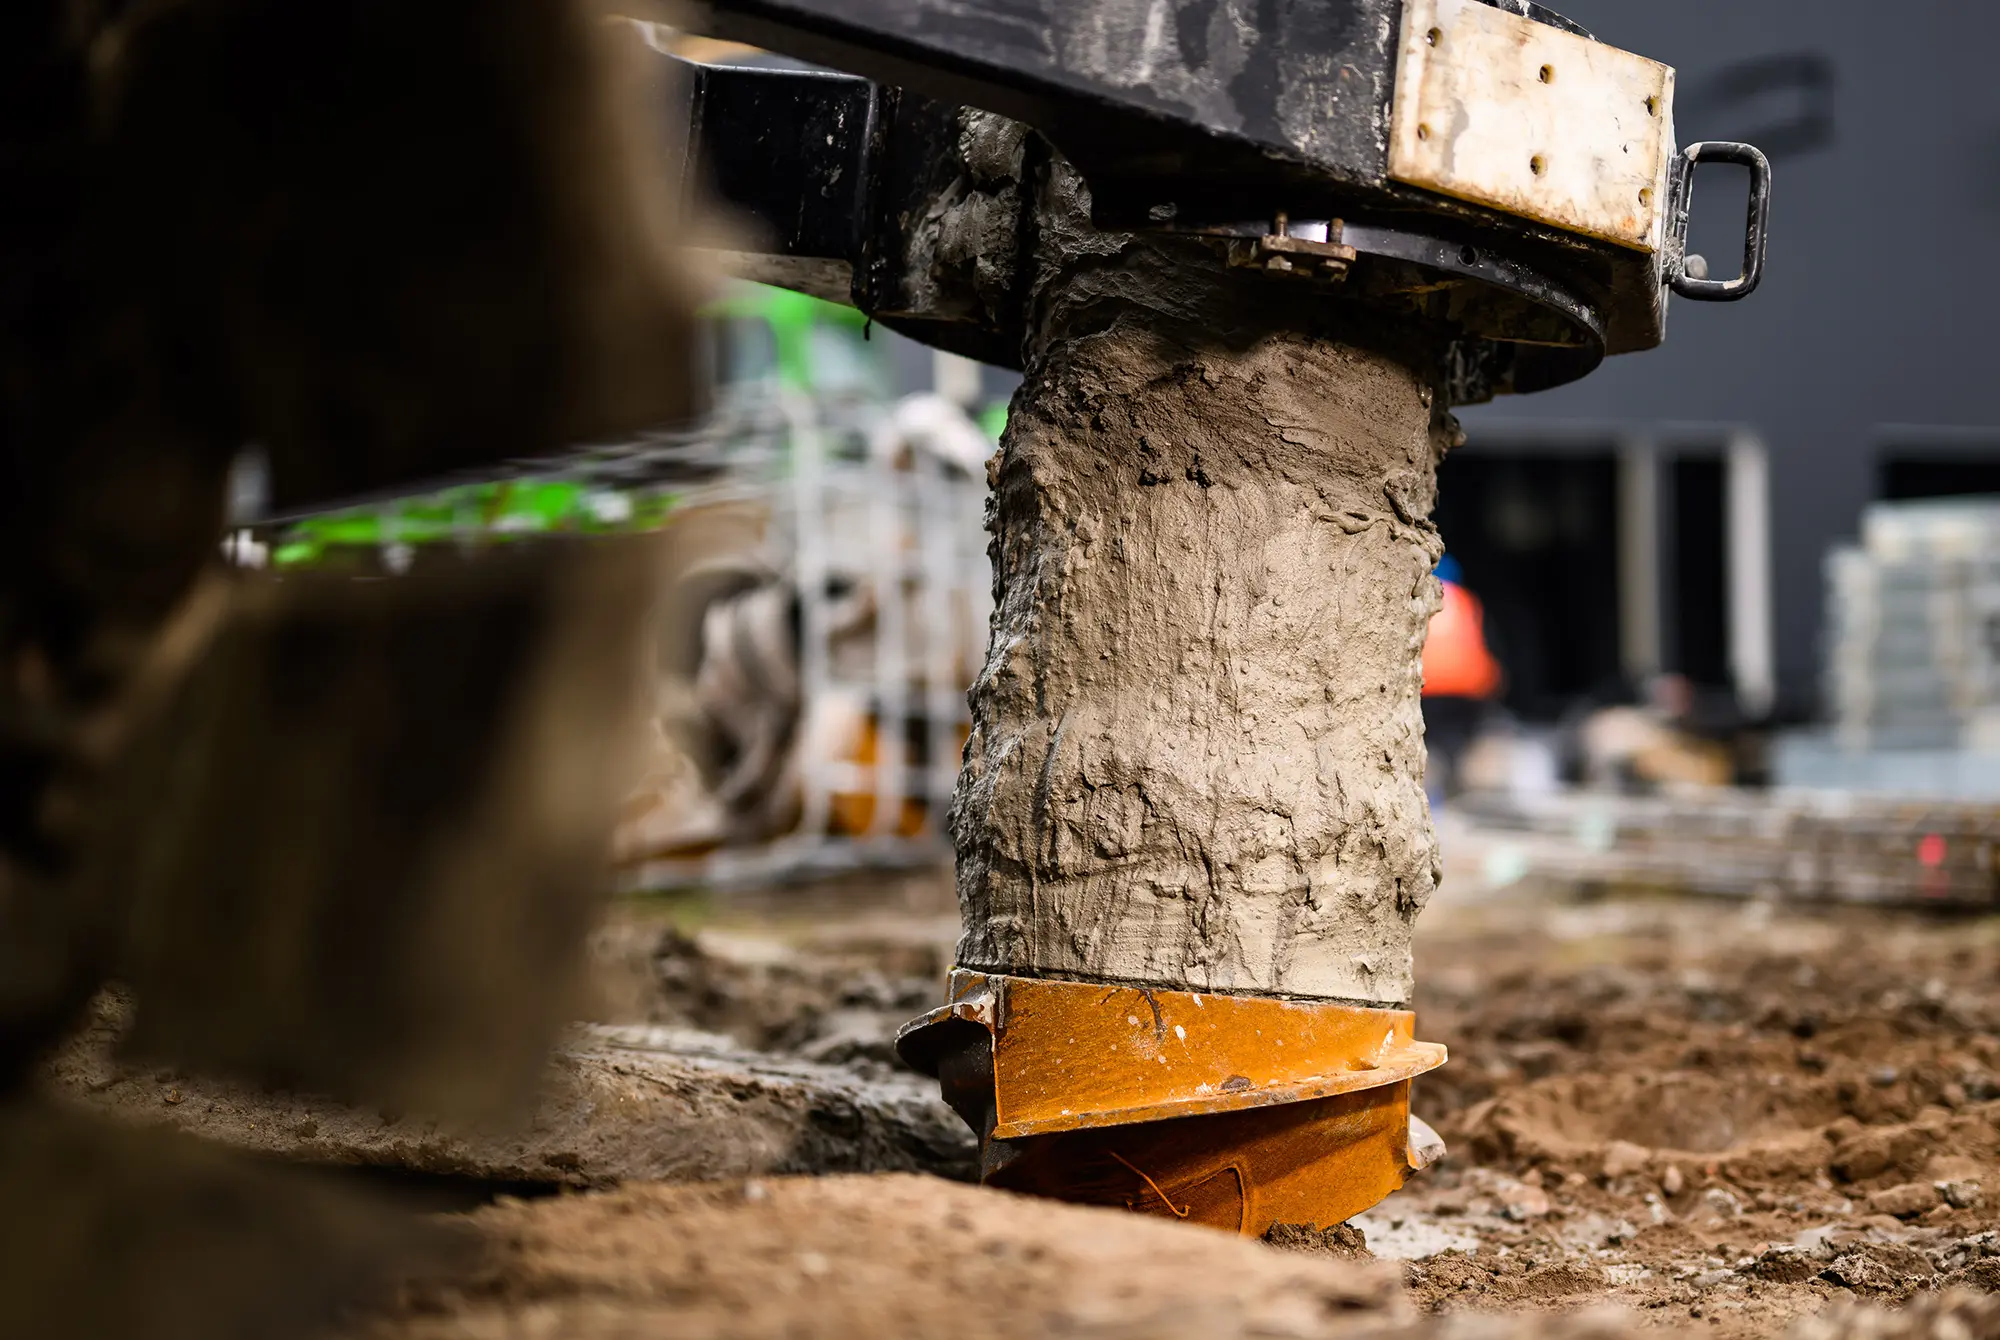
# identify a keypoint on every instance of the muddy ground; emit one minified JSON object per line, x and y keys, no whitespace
{"x":1717,"y":1117}
{"x":1725,"y":1113}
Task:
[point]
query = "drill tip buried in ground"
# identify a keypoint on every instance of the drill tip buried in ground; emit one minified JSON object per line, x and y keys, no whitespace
{"x":1239,"y":1112}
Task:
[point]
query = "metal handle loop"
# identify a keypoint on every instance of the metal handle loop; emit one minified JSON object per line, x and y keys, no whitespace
{"x":1755,"y":225}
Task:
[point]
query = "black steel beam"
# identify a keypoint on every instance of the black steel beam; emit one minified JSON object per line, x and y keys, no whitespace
{"x":850,"y":178}
{"x":1215,"y":99}
{"x":788,"y":148}
{"x":1199,"y":116}
{"x":1203,"y":112}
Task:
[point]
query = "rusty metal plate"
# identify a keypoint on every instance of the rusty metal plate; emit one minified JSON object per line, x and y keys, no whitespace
{"x":1501,"y":110}
{"x":1071,"y":1055}
{"x":1316,"y":1163}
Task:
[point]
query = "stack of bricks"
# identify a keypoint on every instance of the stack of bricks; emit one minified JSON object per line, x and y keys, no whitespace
{"x":1913,"y":628}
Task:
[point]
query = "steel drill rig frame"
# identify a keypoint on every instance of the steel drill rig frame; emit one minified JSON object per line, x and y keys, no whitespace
{"x":1481,"y":177}
{"x":1540,"y":224}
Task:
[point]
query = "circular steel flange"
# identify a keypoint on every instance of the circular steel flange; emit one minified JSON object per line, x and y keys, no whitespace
{"x":1484,"y":266}
{"x":1519,"y":327}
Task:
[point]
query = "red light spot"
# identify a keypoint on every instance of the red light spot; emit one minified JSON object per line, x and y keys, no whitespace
{"x":1930,"y":850}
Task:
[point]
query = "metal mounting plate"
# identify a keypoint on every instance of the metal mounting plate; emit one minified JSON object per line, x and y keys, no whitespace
{"x":1507,"y":112}
{"x":1073,"y":1055}
{"x":1238,"y":1112}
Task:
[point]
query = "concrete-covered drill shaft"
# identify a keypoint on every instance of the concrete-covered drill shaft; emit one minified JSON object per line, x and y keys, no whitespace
{"x":1197,"y":755}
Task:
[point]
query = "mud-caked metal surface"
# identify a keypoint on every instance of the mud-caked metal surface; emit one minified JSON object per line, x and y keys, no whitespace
{"x":1247,"y":257}
{"x":1194,"y":783}
{"x":1504,"y":181}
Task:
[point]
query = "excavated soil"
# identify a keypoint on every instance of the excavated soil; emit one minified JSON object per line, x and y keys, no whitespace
{"x":1725,"y":1118}
{"x":1737,"y":1119}
{"x":762,"y":1047}
{"x":1730,"y":1113}
{"x":892,"y":1255}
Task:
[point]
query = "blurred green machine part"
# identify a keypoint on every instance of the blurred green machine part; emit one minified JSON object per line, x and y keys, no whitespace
{"x":761,"y":335}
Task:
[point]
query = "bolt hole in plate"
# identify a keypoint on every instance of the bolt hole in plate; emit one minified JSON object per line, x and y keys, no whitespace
{"x":1496,"y":108}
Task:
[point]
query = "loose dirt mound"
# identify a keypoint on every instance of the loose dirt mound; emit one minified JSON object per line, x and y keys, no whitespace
{"x":896,"y":1256}
{"x":877,"y":1257}
{"x":759,"y":1046}
{"x":1705,"y":1110}
{"x":1716,"y":1117}
{"x":831,"y":995}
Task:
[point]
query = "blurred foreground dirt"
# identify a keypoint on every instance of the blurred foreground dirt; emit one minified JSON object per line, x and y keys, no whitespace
{"x":1724,"y":1118}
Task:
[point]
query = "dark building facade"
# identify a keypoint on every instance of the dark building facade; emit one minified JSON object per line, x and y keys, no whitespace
{"x":1865,"y":364}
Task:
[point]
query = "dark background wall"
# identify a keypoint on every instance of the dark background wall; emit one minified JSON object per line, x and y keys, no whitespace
{"x":1877,"y":307}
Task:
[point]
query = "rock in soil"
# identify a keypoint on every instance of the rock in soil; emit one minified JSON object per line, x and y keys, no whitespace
{"x":621,"y":1103}
{"x":1342,"y":1240}
{"x":1904,"y":1202}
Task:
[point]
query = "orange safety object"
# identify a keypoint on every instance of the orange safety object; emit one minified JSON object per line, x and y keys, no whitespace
{"x":852,"y":813}
{"x":1456,"y":661}
{"x":1239,"y":1112}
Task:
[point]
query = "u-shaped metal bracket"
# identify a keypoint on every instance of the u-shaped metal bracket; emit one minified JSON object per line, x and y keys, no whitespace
{"x":1756,"y":223}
